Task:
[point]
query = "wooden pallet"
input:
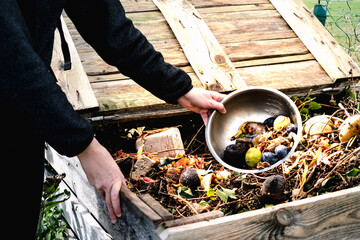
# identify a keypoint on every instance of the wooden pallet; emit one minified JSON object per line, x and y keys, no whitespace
{"x":274,"y":43}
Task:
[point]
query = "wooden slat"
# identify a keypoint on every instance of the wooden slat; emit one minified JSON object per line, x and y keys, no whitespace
{"x":301,"y":76}
{"x":148,"y":5}
{"x":156,"y":206}
{"x":304,"y":75}
{"x":330,"y":55}
{"x":238,"y":64}
{"x":209,"y":61}
{"x":123,"y":94}
{"x":137,"y":221}
{"x":330,"y":216}
{"x":242,"y":26}
{"x":81,"y":222}
{"x":73,"y":82}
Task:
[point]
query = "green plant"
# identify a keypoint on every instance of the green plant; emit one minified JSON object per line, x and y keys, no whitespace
{"x":305,"y":105}
{"x":51,"y":222}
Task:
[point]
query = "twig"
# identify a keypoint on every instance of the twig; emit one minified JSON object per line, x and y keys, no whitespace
{"x":332,"y":171}
{"x":342,"y":178}
{"x":217,"y":206}
{"x":345,"y":111}
{"x":197,"y":133}
{"x":185,"y":201}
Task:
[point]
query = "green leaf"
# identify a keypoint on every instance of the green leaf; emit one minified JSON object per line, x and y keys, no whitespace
{"x":55,"y":200}
{"x":222,"y":195}
{"x":304,"y":111}
{"x":352,"y":173}
{"x":230,"y":192}
{"x":225,"y":193}
{"x":314,"y":106}
{"x":184,"y":192}
{"x":166,"y":161}
{"x":326,"y":181}
{"x":210,"y":193}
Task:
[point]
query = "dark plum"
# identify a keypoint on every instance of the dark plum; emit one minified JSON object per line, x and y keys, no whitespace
{"x":269,"y":157}
{"x":234,"y":154}
{"x":281,"y":151}
{"x":190,"y":178}
{"x":269,"y":122}
{"x":274,"y":189}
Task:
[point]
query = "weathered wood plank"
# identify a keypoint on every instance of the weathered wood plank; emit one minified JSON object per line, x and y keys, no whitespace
{"x":239,"y":27}
{"x":156,"y":206}
{"x":238,"y":64}
{"x":302,"y":75}
{"x":81,"y":222}
{"x":73,"y":82}
{"x":207,"y":58}
{"x":329,"y":216}
{"x":148,"y":5}
{"x":193,"y":219}
{"x":330,"y":55}
{"x":287,"y":76}
{"x":137,"y":221}
{"x":122,"y":94}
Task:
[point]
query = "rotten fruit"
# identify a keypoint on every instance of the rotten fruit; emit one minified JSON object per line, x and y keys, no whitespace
{"x":258,"y":144}
{"x":349,"y":128}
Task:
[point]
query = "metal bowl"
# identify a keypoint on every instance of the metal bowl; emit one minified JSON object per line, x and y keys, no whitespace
{"x":249,"y":104}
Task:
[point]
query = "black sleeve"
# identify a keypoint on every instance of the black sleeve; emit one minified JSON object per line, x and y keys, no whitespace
{"x":102,"y":23}
{"x":31,"y":90}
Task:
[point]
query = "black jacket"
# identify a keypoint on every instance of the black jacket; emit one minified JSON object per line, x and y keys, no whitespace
{"x":29,"y":91}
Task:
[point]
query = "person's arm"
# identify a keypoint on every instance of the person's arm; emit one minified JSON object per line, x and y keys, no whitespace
{"x":30,"y":89}
{"x":27,"y":85}
{"x":104,"y":26}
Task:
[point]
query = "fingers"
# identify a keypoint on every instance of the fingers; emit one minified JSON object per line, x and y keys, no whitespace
{"x":218,"y":106}
{"x":205,"y":116}
{"x":215,"y":103}
{"x":112,"y":199}
{"x":115,"y":198}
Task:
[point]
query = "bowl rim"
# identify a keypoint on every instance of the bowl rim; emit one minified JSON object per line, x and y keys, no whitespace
{"x":239,"y":91}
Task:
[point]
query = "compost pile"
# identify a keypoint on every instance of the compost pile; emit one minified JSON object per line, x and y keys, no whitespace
{"x":326,"y":160}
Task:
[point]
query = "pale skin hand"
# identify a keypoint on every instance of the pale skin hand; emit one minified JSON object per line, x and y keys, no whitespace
{"x":103,"y":174}
{"x":203,"y":102}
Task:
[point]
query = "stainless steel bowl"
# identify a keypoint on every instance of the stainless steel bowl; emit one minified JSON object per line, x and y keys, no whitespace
{"x":249,"y":104}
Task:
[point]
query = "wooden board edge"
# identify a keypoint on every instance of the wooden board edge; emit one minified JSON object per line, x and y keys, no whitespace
{"x":333,"y":215}
{"x":137,"y":220}
{"x":327,"y":51}
{"x":156,"y":206}
{"x":206,"y":56}
{"x":74,"y":82}
{"x":80,"y":220}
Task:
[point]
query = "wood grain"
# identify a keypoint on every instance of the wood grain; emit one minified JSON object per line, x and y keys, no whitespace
{"x":73,"y":82}
{"x":330,"y":216}
{"x":295,"y":74}
{"x":207,"y":58}
{"x":137,"y":221}
{"x":327,"y":51}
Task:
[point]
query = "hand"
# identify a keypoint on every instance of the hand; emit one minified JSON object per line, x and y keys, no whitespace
{"x":104,"y":174}
{"x":202,"y":101}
